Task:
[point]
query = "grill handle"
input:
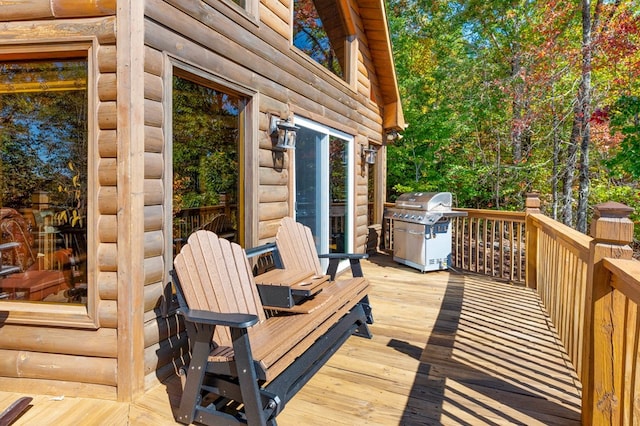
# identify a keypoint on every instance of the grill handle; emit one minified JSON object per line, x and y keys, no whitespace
{"x":398,"y":229}
{"x":410,"y":206}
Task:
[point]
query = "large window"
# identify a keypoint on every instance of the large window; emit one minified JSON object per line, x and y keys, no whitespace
{"x":207,"y":123}
{"x":43,"y":178}
{"x":318,"y":31}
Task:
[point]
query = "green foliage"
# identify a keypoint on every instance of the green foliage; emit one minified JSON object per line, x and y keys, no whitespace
{"x":218,"y":171}
{"x":625,"y":118}
{"x":489,"y":89}
{"x":205,"y":145}
{"x":42,"y":133}
{"x":629,"y":194}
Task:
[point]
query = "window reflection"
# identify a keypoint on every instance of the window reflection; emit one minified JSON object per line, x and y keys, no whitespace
{"x":43,"y":180}
{"x":206,"y":135}
{"x":338,"y":187}
{"x":318,"y":33}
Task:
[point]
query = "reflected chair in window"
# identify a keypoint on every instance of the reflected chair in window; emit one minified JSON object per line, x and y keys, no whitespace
{"x":221,"y":226}
{"x":18,"y":240}
{"x":21,"y":276}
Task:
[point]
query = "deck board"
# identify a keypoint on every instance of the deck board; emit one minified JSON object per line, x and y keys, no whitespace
{"x":447,"y":349}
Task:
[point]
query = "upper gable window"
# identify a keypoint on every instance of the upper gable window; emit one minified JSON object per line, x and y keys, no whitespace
{"x":319,"y":32}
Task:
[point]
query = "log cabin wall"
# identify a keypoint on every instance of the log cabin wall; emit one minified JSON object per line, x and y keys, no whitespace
{"x":255,"y":52}
{"x":128,"y":329}
{"x":75,"y":362}
{"x":81,"y":358}
{"x":164,"y":337}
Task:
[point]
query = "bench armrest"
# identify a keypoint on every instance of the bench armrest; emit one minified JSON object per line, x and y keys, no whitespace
{"x":349,"y":256}
{"x":257,"y":251}
{"x":335,"y":258}
{"x":216,"y":318}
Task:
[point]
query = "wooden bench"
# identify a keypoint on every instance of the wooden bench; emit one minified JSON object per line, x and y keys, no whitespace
{"x":296,"y":250}
{"x":245,"y":366}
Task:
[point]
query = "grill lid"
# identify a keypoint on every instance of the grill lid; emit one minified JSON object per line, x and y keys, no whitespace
{"x":425,"y":201}
{"x":425,"y":208}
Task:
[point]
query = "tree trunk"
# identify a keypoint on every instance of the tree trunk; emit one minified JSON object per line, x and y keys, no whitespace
{"x":585,"y":89}
{"x":570,"y":170}
{"x":580,"y":133}
{"x":517,"y":121}
{"x":556,"y":157}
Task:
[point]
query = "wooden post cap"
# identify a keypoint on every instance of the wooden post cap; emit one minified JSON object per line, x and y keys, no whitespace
{"x":612,"y":209}
{"x":532,"y":202}
{"x":611,"y":223}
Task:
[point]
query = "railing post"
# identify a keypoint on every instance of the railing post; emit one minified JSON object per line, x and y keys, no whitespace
{"x":612,"y":231}
{"x":531,"y":205}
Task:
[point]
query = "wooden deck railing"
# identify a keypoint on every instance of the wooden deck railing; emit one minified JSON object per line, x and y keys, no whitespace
{"x":491,"y":243}
{"x":589,"y":286}
{"x":557,"y":266}
{"x":612,"y":392}
{"x":187,"y":221}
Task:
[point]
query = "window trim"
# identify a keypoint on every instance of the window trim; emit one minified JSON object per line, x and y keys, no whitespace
{"x":62,"y":314}
{"x":248,"y":149}
{"x":250,"y":12}
{"x":327,"y":132}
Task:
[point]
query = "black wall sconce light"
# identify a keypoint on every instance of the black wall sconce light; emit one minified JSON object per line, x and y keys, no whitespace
{"x":285,"y":132}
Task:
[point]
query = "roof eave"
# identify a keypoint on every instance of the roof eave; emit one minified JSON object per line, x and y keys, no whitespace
{"x":376,"y":28}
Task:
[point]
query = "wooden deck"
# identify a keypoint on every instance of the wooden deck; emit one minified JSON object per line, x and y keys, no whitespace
{"x":447,"y":349}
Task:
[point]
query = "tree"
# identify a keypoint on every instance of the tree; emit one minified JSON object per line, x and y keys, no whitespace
{"x":501,"y":99}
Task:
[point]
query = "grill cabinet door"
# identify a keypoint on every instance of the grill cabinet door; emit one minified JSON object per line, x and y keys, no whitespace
{"x":409,"y":243}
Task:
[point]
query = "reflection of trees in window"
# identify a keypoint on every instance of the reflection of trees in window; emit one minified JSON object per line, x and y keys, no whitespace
{"x":338,"y":157}
{"x":43,"y":178}
{"x":43,"y":124}
{"x":319,"y":32}
{"x":206,"y":168}
{"x":205,"y":145}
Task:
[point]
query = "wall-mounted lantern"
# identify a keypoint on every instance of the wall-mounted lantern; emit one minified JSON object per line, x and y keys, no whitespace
{"x":368,"y":155}
{"x":285,"y":132}
{"x":393,"y":135}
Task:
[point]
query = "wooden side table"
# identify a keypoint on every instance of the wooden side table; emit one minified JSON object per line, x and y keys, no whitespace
{"x":33,"y":285}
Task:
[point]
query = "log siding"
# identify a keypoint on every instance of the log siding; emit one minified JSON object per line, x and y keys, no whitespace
{"x":84,"y":360}
{"x":129,"y":341}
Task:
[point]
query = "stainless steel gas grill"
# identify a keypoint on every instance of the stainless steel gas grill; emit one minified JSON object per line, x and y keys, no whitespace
{"x":422,"y":229}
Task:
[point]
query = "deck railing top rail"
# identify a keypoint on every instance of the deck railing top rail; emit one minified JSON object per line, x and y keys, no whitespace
{"x":565,"y":235}
{"x":627,"y":277}
{"x":512,"y":216}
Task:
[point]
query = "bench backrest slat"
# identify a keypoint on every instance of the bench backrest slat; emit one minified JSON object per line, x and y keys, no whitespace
{"x":297,"y":247}
{"x":215,"y":276}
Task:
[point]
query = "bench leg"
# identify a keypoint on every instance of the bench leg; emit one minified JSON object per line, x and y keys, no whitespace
{"x":195,"y":375}
{"x":356,"y":269}
{"x":249,"y":387}
{"x":367,"y":309}
{"x":332,"y":269}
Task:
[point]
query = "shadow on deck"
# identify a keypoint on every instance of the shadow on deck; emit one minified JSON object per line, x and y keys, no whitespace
{"x":447,"y":349}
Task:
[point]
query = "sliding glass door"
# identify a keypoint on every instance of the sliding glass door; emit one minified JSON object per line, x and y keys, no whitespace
{"x":323,"y":185}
